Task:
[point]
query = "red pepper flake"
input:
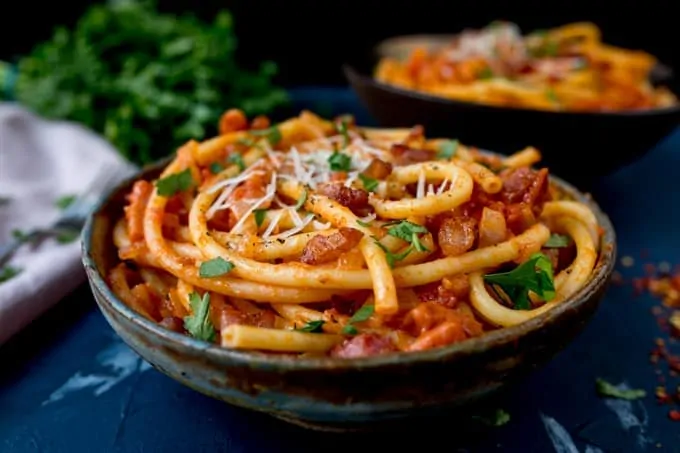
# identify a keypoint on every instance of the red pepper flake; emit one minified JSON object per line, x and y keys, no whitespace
{"x":674,"y":415}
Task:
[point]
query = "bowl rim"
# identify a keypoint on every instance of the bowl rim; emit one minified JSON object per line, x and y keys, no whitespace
{"x":353,"y":73}
{"x":600,"y":277}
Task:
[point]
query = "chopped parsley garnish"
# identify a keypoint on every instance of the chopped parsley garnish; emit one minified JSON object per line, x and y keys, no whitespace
{"x":216,"y":168}
{"x":8,"y":272}
{"x":260,"y":215}
{"x":301,"y":201}
{"x":340,"y":162}
{"x":557,"y":241}
{"x":363,"y":224}
{"x":392,"y":257}
{"x":447,"y":149}
{"x":608,"y":390}
{"x":551,"y":48}
{"x":535,"y":275}
{"x":485,"y":73}
{"x":177,"y":182}
{"x":312,"y":327}
{"x":65,"y":201}
{"x":67,"y":235}
{"x":237,"y":160}
{"x":409,"y":232}
{"x":21,"y":236}
{"x":198,"y":323}
{"x":272,"y":134}
{"x":215,"y":267}
{"x":360,"y":315}
{"x":551,"y":95}
{"x":245,"y":142}
{"x":342,"y":127}
{"x":499,"y":417}
{"x":370,"y":184}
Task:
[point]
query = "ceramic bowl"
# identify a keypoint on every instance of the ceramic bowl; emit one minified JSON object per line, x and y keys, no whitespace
{"x":580,"y":147}
{"x":337,"y":394}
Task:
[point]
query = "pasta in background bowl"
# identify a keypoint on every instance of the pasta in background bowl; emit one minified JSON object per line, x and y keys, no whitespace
{"x":327,"y":273}
{"x":561,"y":90}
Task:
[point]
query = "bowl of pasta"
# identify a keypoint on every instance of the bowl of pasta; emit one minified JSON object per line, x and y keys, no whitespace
{"x":339,"y":277}
{"x":562,"y":90}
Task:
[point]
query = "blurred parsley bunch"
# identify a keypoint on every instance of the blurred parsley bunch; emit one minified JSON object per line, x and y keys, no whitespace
{"x":146,"y":81}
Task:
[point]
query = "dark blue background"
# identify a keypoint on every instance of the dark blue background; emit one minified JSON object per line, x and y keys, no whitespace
{"x":147,"y":412}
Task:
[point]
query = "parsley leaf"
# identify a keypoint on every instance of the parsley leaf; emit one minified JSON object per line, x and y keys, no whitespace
{"x":360,"y":315}
{"x":370,"y":184}
{"x":65,"y":201}
{"x":536,"y":275}
{"x":68,"y":235}
{"x":177,"y":182}
{"x":485,"y":73}
{"x":215,"y":267}
{"x":608,"y":390}
{"x":198,"y":323}
{"x":301,"y":201}
{"x":216,"y":168}
{"x":21,"y":236}
{"x":392,"y":257}
{"x":408,"y":232}
{"x":340,"y":162}
{"x":363,"y":224}
{"x":237,"y":160}
{"x":499,"y":417}
{"x":448,"y":149}
{"x":557,"y":241}
{"x":343,"y":129}
{"x":260,"y":215}
{"x":272,"y":134}
{"x":312,"y":326}
{"x":8,"y":272}
{"x":551,"y":95}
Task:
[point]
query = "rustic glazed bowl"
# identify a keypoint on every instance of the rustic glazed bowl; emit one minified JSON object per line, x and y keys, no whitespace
{"x":337,"y":394}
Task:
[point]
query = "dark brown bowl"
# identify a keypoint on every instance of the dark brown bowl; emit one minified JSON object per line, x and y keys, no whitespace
{"x":580,"y":147}
{"x":340,"y":394}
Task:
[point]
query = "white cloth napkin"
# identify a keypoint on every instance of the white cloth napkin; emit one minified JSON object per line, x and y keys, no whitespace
{"x":41,"y":161}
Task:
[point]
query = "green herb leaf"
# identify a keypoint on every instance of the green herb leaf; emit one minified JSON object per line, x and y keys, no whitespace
{"x":370,"y":184}
{"x":448,"y":149}
{"x":8,"y":272}
{"x":237,"y":160}
{"x":301,"y":201}
{"x":340,"y":162}
{"x":313,"y":326}
{"x":391,"y":257}
{"x":557,"y":241}
{"x":535,"y":275}
{"x":198,"y":323}
{"x":408,"y":232}
{"x":361,"y":315}
{"x":65,"y":201}
{"x":273,"y":134}
{"x":177,"y":182}
{"x":260,"y":215}
{"x":342,"y":128}
{"x":551,"y":95}
{"x":215,"y":267}
{"x":216,"y":168}
{"x":21,"y":236}
{"x":485,"y":73}
{"x":608,"y":390}
{"x":66,"y":236}
{"x":363,"y":224}
{"x":499,"y":417}
{"x":551,"y":48}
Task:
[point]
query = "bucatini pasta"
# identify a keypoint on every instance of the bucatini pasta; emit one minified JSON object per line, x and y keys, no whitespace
{"x":566,"y":68}
{"x":316,"y":237}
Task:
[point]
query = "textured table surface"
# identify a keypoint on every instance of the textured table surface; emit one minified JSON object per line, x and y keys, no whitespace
{"x":68,"y":384}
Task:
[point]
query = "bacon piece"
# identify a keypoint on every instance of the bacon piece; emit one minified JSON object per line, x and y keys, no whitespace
{"x":323,"y":249}
{"x":457,"y":235}
{"x":378,"y":169}
{"x":173,"y":323}
{"x":363,"y":345}
{"x":404,"y":155}
{"x":436,"y":325}
{"x":354,"y":199}
{"x":524,"y":185}
{"x":134,"y":211}
{"x":260,"y":122}
{"x":233,"y":120}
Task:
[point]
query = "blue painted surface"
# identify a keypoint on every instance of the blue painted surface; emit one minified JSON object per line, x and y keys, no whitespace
{"x":129,"y":407}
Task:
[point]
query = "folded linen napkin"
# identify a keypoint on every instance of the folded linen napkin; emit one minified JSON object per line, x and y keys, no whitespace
{"x":40,"y":162}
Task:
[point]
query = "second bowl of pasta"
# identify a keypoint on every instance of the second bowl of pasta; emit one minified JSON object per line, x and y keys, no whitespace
{"x":333,"y":275}
{"x":562,"y":90}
